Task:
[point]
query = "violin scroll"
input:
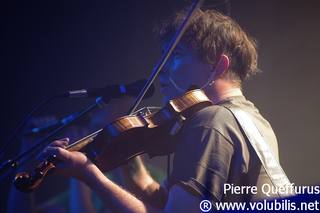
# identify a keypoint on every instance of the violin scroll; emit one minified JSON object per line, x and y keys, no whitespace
{"x":27,"y":182}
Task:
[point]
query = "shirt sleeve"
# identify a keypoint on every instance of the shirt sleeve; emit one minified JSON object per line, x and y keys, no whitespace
{"x":201,"y":162}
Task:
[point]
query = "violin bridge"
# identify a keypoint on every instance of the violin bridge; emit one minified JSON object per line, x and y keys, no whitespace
{"x":177,"y":126}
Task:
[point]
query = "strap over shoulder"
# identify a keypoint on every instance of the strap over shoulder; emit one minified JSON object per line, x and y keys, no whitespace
{"x":272,"y":167}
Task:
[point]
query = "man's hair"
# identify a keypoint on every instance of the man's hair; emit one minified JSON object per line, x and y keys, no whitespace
{"x":212,"y":34}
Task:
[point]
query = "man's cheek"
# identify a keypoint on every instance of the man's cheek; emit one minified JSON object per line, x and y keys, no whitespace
{"x":177,"y":65}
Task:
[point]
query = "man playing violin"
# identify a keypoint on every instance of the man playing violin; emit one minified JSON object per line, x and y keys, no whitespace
{"x":215,"y":54}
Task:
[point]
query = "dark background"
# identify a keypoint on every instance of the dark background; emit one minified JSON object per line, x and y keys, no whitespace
{"x":48,"y":47}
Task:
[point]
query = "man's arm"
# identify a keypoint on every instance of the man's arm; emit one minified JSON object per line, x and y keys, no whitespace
{"x":76,"y":164}
{"x":120,"y":200}
{"x":139,"y":182}
{"x":115,"y":197}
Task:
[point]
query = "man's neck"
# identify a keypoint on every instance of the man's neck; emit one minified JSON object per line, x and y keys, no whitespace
{"x":222,"y":90}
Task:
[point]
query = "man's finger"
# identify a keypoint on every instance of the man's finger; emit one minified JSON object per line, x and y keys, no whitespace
{"x":59,"y":152}
{"x":60,"y":143}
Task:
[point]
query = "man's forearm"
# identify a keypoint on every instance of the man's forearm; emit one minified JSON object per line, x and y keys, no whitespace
{"x":136,"y":177}
{"x":113,"y":195}
{"x":139,"y":182}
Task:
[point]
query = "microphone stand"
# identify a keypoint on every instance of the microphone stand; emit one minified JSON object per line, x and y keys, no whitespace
{"x":8,"y":166}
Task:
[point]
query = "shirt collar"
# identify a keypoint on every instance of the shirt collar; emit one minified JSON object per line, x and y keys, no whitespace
{"x":229,"y":94}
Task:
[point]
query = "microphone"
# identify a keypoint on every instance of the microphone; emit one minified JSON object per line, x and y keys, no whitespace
{"x":50,"y":126}
{"x":111,"y":91}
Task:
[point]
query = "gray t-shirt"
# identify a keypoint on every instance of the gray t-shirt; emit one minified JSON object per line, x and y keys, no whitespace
{"x":212,"y":150}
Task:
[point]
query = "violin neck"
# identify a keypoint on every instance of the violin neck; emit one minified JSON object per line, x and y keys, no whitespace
{"x":79,"y":144}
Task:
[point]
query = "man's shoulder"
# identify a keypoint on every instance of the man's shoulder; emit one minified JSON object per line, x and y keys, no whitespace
{"x":213,"y":117}
{"x":220,"y":119}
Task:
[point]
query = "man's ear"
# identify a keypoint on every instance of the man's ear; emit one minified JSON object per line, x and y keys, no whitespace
{"x":222,"y":66}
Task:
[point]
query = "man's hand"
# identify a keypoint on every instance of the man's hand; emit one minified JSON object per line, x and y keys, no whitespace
{"x":73,"y":164}
{"x":76,"y":164}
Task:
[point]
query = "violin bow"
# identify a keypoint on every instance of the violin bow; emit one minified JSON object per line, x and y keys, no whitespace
{"x":172,"y":45}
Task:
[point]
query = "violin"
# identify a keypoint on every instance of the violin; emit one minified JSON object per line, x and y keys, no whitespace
{"x":125,"y":138}
{"x":135,"y":134}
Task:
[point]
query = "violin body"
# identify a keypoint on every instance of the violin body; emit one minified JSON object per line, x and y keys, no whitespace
{"x":127,"y":137}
